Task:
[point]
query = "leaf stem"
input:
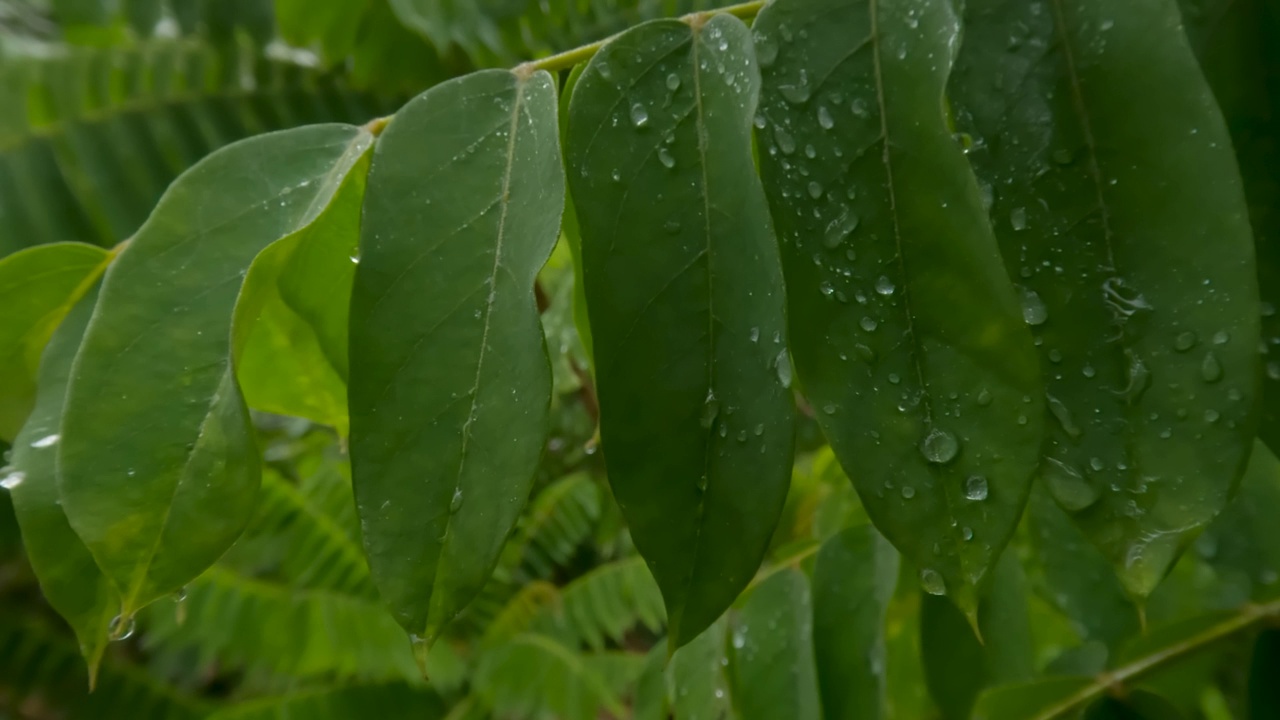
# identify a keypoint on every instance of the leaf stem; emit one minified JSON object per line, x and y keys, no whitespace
{"x":567,"y":59}
{"x":1248,"y":616}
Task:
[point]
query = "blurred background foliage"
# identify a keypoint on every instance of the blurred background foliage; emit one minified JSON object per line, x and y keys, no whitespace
{"x":104,"y":102}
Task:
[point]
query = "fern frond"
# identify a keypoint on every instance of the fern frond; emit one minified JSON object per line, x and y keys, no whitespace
{"x":532,"y":676}
{"x":39,"y":664}
{"x":520,"y":613}
{"x":90,"y":137}
{"x":395,"y":700}
{"x":558,"y":521}
{"x":607,"y":602}
{"x":282,"y":631}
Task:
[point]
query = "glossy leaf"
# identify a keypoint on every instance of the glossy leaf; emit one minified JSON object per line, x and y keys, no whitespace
{"x":957,"y":665}
{"x":908,"y":339}
{"x":38,"y":287}
{"x":69,"y":578}
{"x":650,"y":698}
{"x":1135,"y":263}
{"x":155,"y":431}
{"x":450,"y":379}
{"x":686,"y":306}
{"x":697,"y":682}
{"x":853,"y":581}
{"x":774,"y":673}
{"x":294,"y":307}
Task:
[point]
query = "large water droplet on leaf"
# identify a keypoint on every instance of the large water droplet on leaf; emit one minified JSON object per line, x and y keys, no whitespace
{"x":1210,"y":368}
{"x":639,"y":115}
{"x":975,"y":487}
{"x":939,"y":446}
{"x":1067,"y":486}
{"x":932,"y":582}
{"x":120,"y":628}
{"x":710,"y":409}
{"x":1034,"y":311}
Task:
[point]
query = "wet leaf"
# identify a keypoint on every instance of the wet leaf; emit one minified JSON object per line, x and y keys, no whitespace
{"x":697,"y":684}
{"x":155,"y":431}
{"x":1243,"y":543}
{"x":1135,"y":263}
{"x":774,"y":674}
{"x":908,"y":339}
{"x":38,"y":287}
{"x":69,"y":579}
{"x":450,"y":382}
{"x":295,"y":306}
{"x":853,"y":581}
{"x":686,"y":306}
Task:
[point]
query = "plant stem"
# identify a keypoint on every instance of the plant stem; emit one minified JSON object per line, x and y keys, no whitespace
{"x":1248,"y":616}
{"x":567,"y":59}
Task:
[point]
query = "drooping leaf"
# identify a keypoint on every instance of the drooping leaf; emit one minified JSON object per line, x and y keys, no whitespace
{"x":1075,"y":577}
{"x":69,"y":578}
{"x":1264,"y":668}
{"x":697,"y":683}
{"x":450,"y":379}
{"x":295,"y":307}
{"x":649,"y":700}
{"x":908,"y":340}
{"x":685,"y":295}
{"x":155,"y":431}
{"x":774,"y":673}
{"x":1135,"y":263}
{"x":38,"y":287}
{"x":853,"y":581}
{"x":957,"y":666}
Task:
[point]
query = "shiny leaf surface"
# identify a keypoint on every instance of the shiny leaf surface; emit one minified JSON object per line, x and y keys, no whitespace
{"x":686,"y":306}
{"x":774,"y":674}
{"x":1135,"y":263}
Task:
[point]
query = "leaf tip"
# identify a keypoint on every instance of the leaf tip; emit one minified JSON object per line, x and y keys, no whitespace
{"x":421,"y":651}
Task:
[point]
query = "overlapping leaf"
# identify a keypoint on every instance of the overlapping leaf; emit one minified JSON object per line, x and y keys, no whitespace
{"x":686,"y":306}
{"x":774,"y":673}
{"x":155,"y":432}
{"x":1135,"y":263}
{"x":907,"y":338}
{"x":450,"y":382}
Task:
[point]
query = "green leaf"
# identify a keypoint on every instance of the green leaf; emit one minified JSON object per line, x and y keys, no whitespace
{"x":1135,"y":262}
{"x":535,"y":676}
{"x":38,"y":287}
{"x":295,"y":305}
{"x":853,"y":581}
{"x":558,"y":521}
{"x":155,"y":430}
{"x":649,"y":701}
{"x":908,"y":339}
{"x":450,"y":379}
{"x":69,"y":579}
{"x":957,"y":666}
{"x":569,"y":226}
{"x":609,"y":601}
{"x":697,"y":684}
{"x":1264,"y":668}
{"x":1136,"y":705}
{"x":1243,"y":543}
{"x":1039,"y":699}
{"x":340,"y":703}
{"x":686,"y":306}
{"x":1075,"y":577}
{"x":774,"y":674}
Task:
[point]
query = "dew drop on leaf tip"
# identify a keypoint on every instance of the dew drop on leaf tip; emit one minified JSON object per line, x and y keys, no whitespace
{"x":120,"y":628}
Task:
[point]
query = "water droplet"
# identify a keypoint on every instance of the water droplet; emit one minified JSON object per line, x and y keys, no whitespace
{"x":1210,"y":368}
{"x":1062,"y":414}
{"x":1018,"y":218}
{"x":605,"y":71}
{"x":868,"y":324}
{"x":815,"y":189}
{"x":759,"y":429}
{"x":1185,"y":341}
{"x":120,"y":628}
{"x":639,"y":115}
{"x":766,"y":51}
{"x":908,"y":492}
{"x":884,"y":285}
{"x":839,"y":229}
{"x":456,"y":502}
{"x":710,"y":409}
{"x":1222,"y":337}
{"x":1211,"y":415}
{"x":754,"y":334}
{"x":967,"y":533}
{"x":864,"y":352}
{"x":616,"y":175}
{"x":824,"y":118}
{"x":939,"y":446}
{"x":1273,"y":370}
{"x":1139,"y":379}
{"x":825,"y":288}
{"x":796,"y":94}
{"x":932,"y":582}
{"x":783,"y":366}
{"x":355,"y":259}
{"x":46,"y":441}
{"x":672,"y":226}
{"x":1097,"y":464}
{"x":984,"y":397}
{"x":673,"y":82}
{"x":12,"y":480}
{"x":666,"y":158}
{"x":975,"y":487}
{"x":860,"y":108}
{"x":786,"y":143}
{"x":1034,"y":311}
{"x":1067,"y":486}
{"x":180,"y":595}
{"x":1123,"y":299}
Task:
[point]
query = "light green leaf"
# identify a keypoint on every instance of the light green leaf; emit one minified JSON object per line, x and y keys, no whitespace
{"x":450,"y":382}
{"x":649,"y":700}
{"x":697,"y":684}
{"x":340,"y":703}
{"x":853,"y":582}
{"x":609,"y":601}
{"x":155,"y":431}
{"x":569,"y":226}
{"x":908,"y":340}
{"x":1135,"y":263}
{"x":294,"y":306}
{"x":38,"y":287}
{"x":686,"y":306}
{"x":1038,"y":699}
{"x":535,"y":676}
{"x":774,"y":674}
{"x":69,"y":579}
